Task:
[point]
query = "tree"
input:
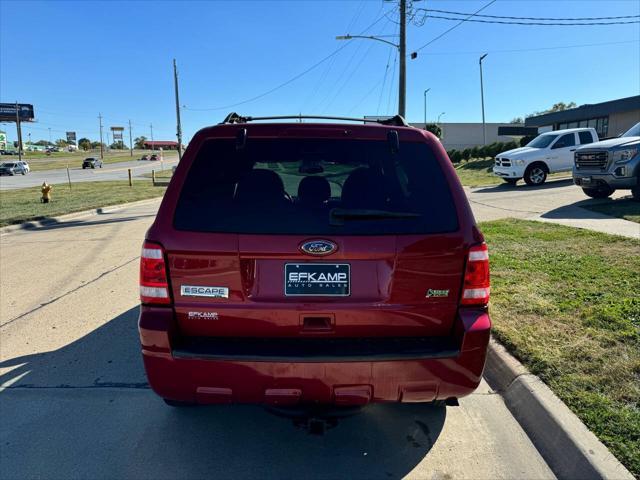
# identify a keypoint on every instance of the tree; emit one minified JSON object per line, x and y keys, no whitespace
{"x":557,"y":107}
{"x":139,"y":142}
{"x":61,"y":143}
{"x":118,"y":145}
{"x":84,"y":143}
{"x":97,"y":145}
{"x":517,"y":120}
{"x":42,"y":143}
{"x":433,"y":128}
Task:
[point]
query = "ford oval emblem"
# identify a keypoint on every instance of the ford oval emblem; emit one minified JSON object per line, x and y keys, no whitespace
{"x":318,"y":247}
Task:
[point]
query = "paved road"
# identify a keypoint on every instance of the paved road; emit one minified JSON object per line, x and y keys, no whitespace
{"x":557,"y":201}
{"x":110,"y":171}
{"x":74,"y":401}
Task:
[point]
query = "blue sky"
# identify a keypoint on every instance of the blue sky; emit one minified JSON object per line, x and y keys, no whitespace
{"x":75,"y":59}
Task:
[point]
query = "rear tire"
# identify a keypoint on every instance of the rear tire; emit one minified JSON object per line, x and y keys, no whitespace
{"x":600,"y":192}
{"x":178,"y":404}
{"x":535,"y":174}
{"x":511,"y":181}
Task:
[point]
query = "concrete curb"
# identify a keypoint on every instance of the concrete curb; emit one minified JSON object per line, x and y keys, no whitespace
{"x":72,"y":216}
{"x":566,"y":444}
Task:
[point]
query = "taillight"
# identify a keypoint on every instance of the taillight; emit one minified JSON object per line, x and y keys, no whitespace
{"x":476,"y":277}
{"x":154,"y":287}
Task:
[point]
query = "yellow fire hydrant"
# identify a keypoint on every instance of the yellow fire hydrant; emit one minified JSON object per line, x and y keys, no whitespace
{"x":46,"y":192}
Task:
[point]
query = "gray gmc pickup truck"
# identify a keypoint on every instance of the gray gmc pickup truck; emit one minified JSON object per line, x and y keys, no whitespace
{"x":603,"y":167}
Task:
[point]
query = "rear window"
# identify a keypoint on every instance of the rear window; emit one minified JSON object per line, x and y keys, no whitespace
{"x":585,"y":138}
{"x":315,"y":187}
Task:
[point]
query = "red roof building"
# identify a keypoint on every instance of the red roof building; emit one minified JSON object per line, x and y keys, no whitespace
{"x":164,"y":144}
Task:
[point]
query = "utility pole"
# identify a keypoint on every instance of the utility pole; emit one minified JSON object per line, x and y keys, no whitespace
{"x":402,"y":87}
{"x":49,"y":135}
{"x":178,"y":123}
{"x":130,"y":140}
{"x":19,"y":128}
{"x":101,"y":145}
{"x":153,"y":145}
{"x":484,"y":127}
{"x":425,"y":107}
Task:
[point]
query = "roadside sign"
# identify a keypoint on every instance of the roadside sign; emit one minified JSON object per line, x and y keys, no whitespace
{"x":8,"y":112}
{"x":71,"y":137}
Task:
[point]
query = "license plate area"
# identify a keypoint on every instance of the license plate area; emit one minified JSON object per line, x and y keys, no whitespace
{"x":317,"y":279}
{"x":585,"y":181}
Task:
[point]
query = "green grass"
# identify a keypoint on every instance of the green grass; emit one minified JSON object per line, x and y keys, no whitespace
{"x":565,"y":302}
{"x":626,"y":209}
{"x":21,"y":205}
{"x":478,"y":172}
{"x":41,"y":161}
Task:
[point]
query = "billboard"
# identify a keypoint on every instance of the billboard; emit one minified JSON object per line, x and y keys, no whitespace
{"x":8,"y":112}
{"x":71,"y":137}
{"x":117,"y":133}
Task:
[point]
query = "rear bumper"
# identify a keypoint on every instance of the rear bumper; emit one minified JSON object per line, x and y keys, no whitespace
{"x":191,"y":373}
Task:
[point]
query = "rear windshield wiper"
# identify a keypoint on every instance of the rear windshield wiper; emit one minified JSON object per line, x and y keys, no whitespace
{"x":337,"y":215}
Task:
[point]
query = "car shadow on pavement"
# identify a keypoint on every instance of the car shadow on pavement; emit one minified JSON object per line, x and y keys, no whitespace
{"x":50,"y":223}
{"x":580,"y":211}
{"x":505,"y":187}
{"x":85,"y":411}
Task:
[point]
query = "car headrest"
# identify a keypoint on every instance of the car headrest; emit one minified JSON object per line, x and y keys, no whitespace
{"x":364,"y":189}
{"x":314,"y":191}
{"x":260,"y":186}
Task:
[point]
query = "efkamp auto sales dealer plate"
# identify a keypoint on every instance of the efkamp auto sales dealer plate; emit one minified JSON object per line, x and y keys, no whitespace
{"x":317,"y":279}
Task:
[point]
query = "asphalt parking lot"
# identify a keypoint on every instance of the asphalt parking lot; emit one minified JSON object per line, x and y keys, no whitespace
{"x":75,"y":402}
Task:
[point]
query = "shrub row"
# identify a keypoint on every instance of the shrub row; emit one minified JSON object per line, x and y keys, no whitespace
{"x":484,"y":151}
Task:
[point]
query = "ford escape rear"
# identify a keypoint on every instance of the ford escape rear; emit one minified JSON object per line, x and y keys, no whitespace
{"x":314,"y":263}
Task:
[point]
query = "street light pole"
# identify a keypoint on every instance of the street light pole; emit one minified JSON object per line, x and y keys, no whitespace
{"x":484,"y":128}
{"x":101,"y":145}
{"x":402,"y":87}
{"x":438,"y":121}
{"x":178,"y":123}
{"x":153,"y":145}
{"x":425,"y":107}
{"x":130,"y":140}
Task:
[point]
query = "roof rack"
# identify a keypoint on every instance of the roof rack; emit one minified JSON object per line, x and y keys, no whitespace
{"x":396,"y":120}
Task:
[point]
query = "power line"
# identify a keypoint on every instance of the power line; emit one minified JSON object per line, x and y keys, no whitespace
{"x":575,"y":19}
{"x":384,"y":81}
{"x":393,"y":74}
{"x":550,"y":24}
{"x":284,"y":84}
{"x":558,"y":47}
{"x":460,"y":22}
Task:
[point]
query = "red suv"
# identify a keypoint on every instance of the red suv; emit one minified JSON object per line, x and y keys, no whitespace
{"x":332,"y":263}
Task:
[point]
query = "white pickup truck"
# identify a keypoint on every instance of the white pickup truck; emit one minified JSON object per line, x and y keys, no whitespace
{"x":549,"y":152}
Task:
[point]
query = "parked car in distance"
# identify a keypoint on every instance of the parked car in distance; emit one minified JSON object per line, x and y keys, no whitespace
{"x":604,"y":167}
{"x":26,"y":166}
{"x":153,"y":157}
{"x":549,"y":152}
{"x":91,"y":162}
{"x":144,"y":157}
{"x":9,"y":152}
{"x":364,"y":281}
{"x":14,"y":168}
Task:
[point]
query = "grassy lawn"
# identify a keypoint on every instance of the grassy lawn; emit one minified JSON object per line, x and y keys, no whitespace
{"x":17,"y":206}
{"x":565,"y":302}
{"x":40,"y":161}
{"x":626,"y":209}
{"x":479,"y":172}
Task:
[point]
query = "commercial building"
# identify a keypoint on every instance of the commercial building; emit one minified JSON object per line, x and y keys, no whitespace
{"x":610,"y":119}
{"x":158,"y":144}
{"x":468,"y":135}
